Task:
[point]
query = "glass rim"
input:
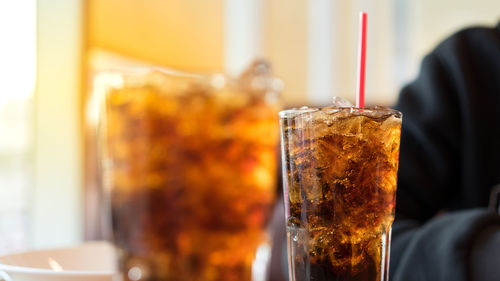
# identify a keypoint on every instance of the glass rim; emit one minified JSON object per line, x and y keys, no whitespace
{"x":330,"y":110}
{"x":137,"y":76}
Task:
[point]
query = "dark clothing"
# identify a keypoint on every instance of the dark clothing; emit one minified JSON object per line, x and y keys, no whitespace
{"x":449,"y":160}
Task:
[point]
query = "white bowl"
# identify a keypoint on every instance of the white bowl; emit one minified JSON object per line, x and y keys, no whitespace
{"x":89,"y":262}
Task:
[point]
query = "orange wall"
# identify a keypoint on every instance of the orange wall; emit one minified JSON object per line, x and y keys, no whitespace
{"x":286,"y":45}
{"x":184,"y":34}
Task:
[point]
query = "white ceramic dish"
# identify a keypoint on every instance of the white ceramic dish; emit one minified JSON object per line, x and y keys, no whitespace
{"x":89,"y":262}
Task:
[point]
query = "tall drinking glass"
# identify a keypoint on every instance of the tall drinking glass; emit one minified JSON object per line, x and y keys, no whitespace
{"x":189,"y":164}
{"x":339,"y":170}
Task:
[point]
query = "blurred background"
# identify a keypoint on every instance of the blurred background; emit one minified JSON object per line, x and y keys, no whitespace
{"x":50,"y":50}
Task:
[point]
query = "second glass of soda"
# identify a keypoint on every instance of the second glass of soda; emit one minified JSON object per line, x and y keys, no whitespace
{"x":189,"y":163}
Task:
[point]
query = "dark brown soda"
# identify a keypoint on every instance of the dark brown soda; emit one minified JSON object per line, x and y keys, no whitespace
{"x":340,"y":167}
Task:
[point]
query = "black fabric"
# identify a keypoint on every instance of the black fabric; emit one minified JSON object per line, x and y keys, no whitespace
{"x":484,"y":255}
{"x":438,"y":249}
{"x":449,"y":158}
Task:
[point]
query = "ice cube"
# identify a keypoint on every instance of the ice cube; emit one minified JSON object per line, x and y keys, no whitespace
{"x":258,"y":67}
{"x":340,"y":102}
{"x":256,"y":76}
{"x":258,"y":80}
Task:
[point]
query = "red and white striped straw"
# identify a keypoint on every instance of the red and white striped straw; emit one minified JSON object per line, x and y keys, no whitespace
{"x":360,"y":92}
